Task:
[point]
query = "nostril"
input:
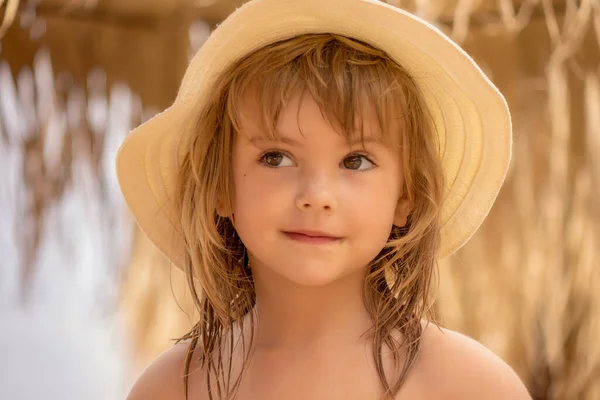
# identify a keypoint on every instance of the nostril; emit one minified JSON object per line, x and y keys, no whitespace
{"x":308,"y":206}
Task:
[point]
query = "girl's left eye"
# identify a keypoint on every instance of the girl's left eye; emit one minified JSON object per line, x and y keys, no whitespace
{"x":357,"y":162}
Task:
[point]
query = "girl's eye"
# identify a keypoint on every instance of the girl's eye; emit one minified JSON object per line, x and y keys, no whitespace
{"x":357,"y":162}
{"x":276,"y":159}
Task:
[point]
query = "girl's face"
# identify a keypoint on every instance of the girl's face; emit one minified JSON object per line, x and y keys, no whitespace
{"x":312,"y":207}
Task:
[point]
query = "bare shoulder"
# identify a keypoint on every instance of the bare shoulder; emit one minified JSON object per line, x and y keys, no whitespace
{"x":163,"y":379}
{"x":462,"y":368}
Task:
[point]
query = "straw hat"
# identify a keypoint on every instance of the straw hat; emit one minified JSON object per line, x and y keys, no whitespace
{"x":471,"y":116}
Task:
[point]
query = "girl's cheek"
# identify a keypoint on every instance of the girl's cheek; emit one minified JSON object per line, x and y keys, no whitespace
{"x":262,"y":184}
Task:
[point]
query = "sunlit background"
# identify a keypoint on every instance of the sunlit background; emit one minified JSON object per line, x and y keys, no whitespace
{"x":86,"y":302}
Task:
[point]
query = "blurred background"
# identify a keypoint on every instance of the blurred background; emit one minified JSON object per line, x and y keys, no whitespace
{"x":86,"y":302}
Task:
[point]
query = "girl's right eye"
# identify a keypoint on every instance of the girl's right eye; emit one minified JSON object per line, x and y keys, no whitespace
{"x":276,"y":159}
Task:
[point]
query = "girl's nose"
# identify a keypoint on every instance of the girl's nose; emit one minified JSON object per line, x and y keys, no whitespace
{"x":317,"y":192}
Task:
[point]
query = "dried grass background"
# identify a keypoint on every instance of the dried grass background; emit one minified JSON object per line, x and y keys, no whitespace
{"x":526,"y":285}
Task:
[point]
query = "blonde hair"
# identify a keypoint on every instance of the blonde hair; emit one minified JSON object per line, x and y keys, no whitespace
{"x":343,"y":76}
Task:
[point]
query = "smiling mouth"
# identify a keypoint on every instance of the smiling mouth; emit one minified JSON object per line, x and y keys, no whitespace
{"x":312,"y":237}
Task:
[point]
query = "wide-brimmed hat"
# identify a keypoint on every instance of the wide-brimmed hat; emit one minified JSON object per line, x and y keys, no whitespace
{"x":471,"y":116}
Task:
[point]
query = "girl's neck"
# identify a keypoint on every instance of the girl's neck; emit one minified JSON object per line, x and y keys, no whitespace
{"x":293,"y":317}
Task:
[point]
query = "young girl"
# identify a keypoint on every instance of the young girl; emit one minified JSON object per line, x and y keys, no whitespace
{"x":320,"y":157}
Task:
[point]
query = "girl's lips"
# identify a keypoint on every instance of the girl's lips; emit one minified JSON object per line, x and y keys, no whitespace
{"x":311,"y":238}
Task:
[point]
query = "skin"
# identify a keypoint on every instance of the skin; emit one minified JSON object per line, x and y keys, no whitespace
{"x":310,"y":293}
{"x":310,"y":340}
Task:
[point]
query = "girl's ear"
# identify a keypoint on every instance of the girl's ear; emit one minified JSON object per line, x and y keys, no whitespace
{"x":403,"y":209}
{"x":223,"y":210}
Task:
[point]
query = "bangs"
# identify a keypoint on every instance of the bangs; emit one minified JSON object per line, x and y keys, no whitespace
{"x":348,"y":80}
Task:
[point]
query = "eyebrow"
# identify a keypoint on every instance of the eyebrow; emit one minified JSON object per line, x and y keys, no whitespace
{"x":293,"y":142}
{"x":263,"y":139}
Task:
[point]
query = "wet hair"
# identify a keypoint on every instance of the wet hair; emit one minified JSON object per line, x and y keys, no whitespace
{"x":345,"y":77}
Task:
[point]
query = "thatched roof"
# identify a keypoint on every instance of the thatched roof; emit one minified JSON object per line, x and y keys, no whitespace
{"x":214,"y":11}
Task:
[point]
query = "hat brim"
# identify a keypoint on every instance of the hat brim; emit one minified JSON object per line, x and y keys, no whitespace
{"x":470,"y":115}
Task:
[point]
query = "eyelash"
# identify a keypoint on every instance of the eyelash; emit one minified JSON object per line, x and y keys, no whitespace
{"x":261,"y":159}
{"x":369,"y":159}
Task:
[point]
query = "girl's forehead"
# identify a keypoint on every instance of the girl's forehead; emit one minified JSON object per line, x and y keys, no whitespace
{"x":300,"y":110}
